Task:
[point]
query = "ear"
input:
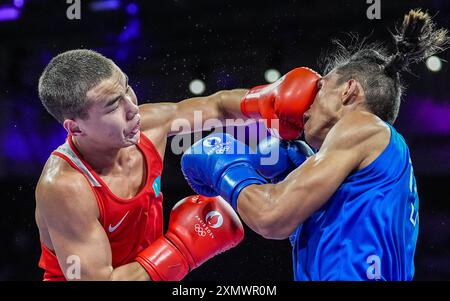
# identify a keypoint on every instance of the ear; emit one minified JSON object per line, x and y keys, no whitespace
{"x":72,"y":127}
{"x":351,"y":92}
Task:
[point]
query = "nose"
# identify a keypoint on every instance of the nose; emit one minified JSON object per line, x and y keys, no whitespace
{"x":131,"y":107}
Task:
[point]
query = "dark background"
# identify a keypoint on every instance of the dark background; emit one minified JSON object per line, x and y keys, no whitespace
{"x":162,"y":46}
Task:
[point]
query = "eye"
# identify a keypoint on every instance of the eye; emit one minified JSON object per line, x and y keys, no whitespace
{"x":116,"y":107}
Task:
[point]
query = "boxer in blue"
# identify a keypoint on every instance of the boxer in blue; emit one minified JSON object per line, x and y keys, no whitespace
{"x":350,"y":209}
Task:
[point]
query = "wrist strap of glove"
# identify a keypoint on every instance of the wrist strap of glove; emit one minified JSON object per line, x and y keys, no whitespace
{"x":163,"y":261}
{"x":250,"y":106}
{"x":236,"y":178}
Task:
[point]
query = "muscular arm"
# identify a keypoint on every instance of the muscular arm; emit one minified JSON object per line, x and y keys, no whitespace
{"x":177,"y":118}
{"x":275,"y":210}
{"x":69,"y":210}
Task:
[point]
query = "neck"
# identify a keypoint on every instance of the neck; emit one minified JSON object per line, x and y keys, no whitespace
{"x":101,"y":159}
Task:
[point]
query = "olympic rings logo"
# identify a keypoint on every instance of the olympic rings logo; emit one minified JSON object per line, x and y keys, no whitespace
{"x":199,"y":230}
{"x":223,"y":149}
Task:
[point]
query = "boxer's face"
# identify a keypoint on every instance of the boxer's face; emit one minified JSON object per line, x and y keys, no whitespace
{"x":114,"y":114}
{"x":325,"y":111}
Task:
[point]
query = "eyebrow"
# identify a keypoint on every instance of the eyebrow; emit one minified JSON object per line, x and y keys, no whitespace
{"x":115,"y":99}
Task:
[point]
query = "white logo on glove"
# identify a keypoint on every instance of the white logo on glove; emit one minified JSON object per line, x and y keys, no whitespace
{"x":210,"y":219}
{"x":200,"y":231}
{"x":212,"y":141}
{"x":221,"y":150}
{"x":204,"y":226}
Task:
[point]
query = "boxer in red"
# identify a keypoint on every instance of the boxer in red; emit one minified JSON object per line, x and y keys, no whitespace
{"x":98,"y":200}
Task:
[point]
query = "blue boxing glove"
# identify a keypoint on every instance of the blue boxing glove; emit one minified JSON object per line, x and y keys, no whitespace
{"x":280,"y":157}
{"x":220,"y":165}
{"x":274,"y":159}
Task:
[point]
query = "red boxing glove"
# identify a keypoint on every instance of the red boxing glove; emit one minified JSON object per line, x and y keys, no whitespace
{"x":199,"y":228}
{"x":283,"y":101}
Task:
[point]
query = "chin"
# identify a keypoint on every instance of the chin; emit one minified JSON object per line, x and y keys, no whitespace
{"x":312,"y":141}
{"x":307,"y":136}
{"x":129,"y":141}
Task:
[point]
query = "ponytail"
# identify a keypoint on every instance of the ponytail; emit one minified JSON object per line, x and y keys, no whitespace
{"x":416,"y":40}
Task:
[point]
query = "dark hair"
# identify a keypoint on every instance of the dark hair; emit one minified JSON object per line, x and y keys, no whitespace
{"x":66,"y":80}
{"x":378,"y":71}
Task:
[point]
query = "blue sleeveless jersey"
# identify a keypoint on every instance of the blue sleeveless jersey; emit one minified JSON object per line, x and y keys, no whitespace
{"x":368,"y":229}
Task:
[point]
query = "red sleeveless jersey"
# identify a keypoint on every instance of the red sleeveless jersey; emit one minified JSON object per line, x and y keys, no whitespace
{"x":130,"y":224}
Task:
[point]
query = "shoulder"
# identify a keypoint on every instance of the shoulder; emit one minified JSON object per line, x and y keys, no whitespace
{"x":358,"y":130}
{"x":63,"y":189}
{"x":155,"y":123}
{"x":359,"y":135}
{"x":155,"y":115}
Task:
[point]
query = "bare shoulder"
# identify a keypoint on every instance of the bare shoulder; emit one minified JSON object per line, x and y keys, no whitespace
{"x":155,"y":123}
{"x":358,"y":129}
{"x":61,"y":188}
{"x":360,"y":135}
{"x":156,"y":115}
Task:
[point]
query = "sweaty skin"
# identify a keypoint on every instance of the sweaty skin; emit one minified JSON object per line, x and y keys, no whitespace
{"x":67,"y":214}
{"x":348,"y":137}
